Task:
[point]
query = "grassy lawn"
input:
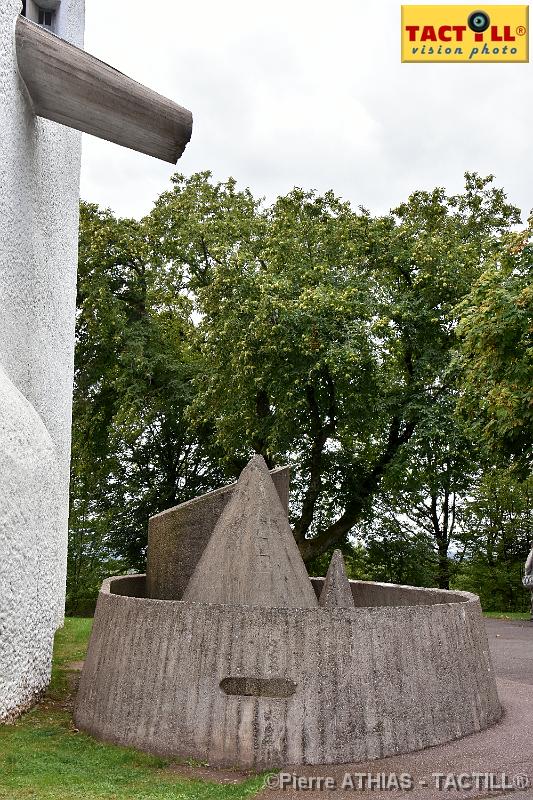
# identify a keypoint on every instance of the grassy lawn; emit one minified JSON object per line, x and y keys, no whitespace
{"x":507,"y":614}
{"x":43,"y":756}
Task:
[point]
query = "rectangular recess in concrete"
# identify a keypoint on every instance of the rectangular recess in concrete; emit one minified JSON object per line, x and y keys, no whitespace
{"x":258,"y":687}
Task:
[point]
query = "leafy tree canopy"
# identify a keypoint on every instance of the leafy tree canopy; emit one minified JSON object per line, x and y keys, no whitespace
{"x":324,"y":334}
{"x":308,"y":331}
{"x":133,"y":452}
{"x":495,"y":358}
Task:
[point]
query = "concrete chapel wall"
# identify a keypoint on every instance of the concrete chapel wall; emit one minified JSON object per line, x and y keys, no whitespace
{"x":39,"y":196}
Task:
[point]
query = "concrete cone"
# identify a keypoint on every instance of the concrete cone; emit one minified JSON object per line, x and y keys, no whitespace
{"x":336,"y":592}
{"x":252,"y":557}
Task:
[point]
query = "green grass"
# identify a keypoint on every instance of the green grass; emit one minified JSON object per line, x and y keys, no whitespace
{"x":507,"y":614}
{"x":70,"y":646}
{"x":42,"y":756}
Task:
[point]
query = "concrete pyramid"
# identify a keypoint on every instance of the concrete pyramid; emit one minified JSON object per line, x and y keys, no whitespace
{"x":336,"y":592}
{"x":252,"y":557}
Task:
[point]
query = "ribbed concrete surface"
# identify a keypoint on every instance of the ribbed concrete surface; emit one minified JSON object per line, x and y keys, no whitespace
{"x":370,"y":681}
{"x":336,"y":591}
{"x":503,"y":749}
{"x":252,"y":558}
{"x":178,"y":537}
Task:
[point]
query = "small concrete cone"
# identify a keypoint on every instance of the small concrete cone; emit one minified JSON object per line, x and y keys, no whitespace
{"x":336,"y":592}
{"x":252,"y":558}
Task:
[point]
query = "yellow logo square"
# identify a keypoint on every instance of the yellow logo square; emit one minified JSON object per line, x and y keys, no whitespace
{"x":474,"y":34}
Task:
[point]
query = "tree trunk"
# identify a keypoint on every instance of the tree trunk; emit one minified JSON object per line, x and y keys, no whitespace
{"x":368,"y":485}
{"x":443,"y":574}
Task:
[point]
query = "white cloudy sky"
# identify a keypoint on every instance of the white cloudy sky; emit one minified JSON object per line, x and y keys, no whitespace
{"x":297,"y":92}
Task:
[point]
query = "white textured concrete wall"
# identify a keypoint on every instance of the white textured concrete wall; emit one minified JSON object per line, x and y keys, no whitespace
{"x":39,"y":193}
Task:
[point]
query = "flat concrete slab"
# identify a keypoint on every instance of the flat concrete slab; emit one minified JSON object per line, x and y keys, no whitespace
{"x":505,"y":748}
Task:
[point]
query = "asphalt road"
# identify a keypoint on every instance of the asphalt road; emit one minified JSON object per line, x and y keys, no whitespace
{"x":511,"y":646}
{"x":505,"y":748}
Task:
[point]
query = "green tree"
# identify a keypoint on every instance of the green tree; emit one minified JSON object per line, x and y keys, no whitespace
{"x":496,"y":538}
{"x":324,"y":335}
{"x":395,"y":554}
{"x":496,"y":353}
{"x":425,"y":491}
{"x":133,"y":452}
{"x":307,"y":331}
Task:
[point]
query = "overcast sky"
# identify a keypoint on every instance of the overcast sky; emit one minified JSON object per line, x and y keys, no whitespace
{"x":308,"y":94}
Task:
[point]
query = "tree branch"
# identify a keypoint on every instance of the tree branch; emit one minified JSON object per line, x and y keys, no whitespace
{"x":321,"y":433}
{"x":310,"y":548}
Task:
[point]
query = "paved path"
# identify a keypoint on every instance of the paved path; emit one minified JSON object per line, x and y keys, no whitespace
{"x":511,"y":645}
{"x":504,"y":748}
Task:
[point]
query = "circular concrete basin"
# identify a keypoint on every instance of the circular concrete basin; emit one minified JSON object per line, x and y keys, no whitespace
{"x":407,"y":668}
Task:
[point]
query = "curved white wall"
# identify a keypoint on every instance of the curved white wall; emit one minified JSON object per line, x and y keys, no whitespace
{"x":39,"y":195}
{"x":31,"y":544}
